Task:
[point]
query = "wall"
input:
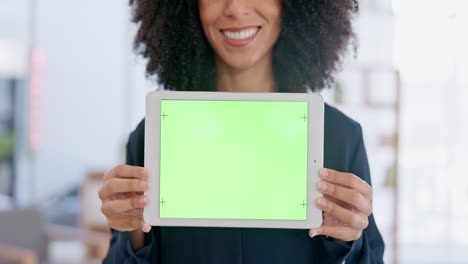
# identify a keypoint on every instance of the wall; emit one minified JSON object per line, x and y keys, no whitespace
{"x":91,"y":90}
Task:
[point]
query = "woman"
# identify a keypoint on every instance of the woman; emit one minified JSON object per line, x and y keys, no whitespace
{"x":248,"y":46}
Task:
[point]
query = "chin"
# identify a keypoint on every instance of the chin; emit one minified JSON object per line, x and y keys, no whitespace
{"x":241,"y":62}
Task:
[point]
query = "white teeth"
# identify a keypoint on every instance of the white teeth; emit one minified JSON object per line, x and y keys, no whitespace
{"x":245,"y":34}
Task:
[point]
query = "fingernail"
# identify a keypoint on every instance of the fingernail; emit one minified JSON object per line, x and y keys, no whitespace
{"x":143,"y":200}
{"x":322,"y":203}
{"x":322,"y":186}
{"x":313,"y":234}
{"x":324,"y":173}
{"x":146,"y":228}
{"x":144,"y":173}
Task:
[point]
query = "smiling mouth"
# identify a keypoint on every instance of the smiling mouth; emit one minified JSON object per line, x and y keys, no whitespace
{"x":242,"y":34}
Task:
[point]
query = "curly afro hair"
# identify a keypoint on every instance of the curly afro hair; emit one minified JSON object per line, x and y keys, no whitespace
{"x":314,"y":37}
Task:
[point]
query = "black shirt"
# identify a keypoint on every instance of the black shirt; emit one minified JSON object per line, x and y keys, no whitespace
{"x":344,"y":151}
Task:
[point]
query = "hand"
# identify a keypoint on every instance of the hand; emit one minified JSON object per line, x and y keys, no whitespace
{"x":123,"y":199}
{"x":347,"y":205}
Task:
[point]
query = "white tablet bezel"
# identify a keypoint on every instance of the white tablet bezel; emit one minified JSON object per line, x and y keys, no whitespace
{"x":315,"y":157}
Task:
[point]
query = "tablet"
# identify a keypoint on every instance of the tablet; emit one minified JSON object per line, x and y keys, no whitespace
{"x":228,"y":159}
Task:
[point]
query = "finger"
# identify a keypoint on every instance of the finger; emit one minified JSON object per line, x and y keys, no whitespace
{"x":120,"y":185}
{"x":126,"y":195}
{"x":339,"y":232}
{"x":348,"y":180}
{"x":123,"y":205}
{"x":346,"y":216}
{"x":126,"y":171}
{"x":126,"y":223}
{"x":349,"y":196}
{"x":146,"y":227}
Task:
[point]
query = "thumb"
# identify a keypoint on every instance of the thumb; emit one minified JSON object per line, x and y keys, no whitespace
{"x":146,"y":227}
{"x":315,"y":232}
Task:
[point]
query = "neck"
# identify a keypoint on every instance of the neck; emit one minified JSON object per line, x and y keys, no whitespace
{"x":255,"y":79}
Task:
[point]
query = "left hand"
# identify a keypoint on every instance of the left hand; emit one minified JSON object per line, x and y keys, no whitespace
{"x":347,"y":205}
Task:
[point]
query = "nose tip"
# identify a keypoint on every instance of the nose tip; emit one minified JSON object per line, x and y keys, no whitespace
{"x":237,"y":8}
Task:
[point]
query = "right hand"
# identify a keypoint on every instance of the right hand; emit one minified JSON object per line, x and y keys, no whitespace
{"x":123,"y":199}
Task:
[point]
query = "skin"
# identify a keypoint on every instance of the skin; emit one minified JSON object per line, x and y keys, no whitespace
{"x":347,"y":205}
{"x":123,"y":201}
{"x":347,"y":201}
{"x":248,"y":68}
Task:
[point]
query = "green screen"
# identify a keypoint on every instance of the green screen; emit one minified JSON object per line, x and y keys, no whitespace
{"x":233,"y":160}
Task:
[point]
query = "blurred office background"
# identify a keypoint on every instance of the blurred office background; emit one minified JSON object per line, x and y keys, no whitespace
{"x":71,"y":91}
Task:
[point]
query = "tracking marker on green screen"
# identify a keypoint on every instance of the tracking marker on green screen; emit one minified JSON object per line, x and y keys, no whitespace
{"x":233,"y":159}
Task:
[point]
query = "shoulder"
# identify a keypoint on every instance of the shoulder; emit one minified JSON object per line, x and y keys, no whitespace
{"x":338,"y":121}
{"x":139,"y":133}
{"x":136,"y":145}
{"x":342,"y":139}
{"x":341,"y":127}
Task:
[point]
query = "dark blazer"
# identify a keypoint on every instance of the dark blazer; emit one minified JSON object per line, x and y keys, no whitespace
{"x":344,"y":151}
